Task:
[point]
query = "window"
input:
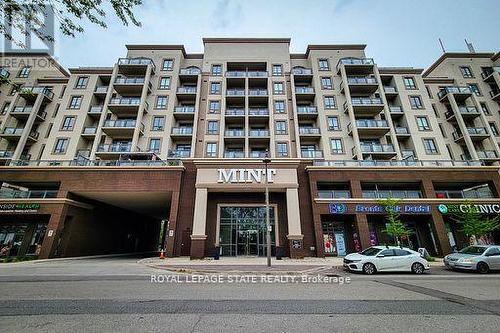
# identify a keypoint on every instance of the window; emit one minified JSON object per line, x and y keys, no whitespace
{"x":333,"y":123}
{"x":416,"y":102}
{"x":484,"y":108}
{"x":466,"y":72}
{"x":5,"y":107}
{"x":430,"y":146}
{"x":68,"y":123}
{"x":168,"y":64}
{"x":81,"y":82}
{"x":61,"y":146}
{"x":24,"y":72}
{"x":329,"y":102}
{"x":277,"y":70}
{"x":282,"y":149}
{"x":154,"y":145}
{"x":400,"y":252}
{"x":279,"y":106}
{"x":387,"y":253}
{"x":409,"y":83}
{"x":75,"y":102}
{"x":280,"y":127}
{"x":158,"y":123}
{"x":494,"y":128}
{"x":216,"y":70}
{"x":215,"y":88}
{"x":211,"y":149}
{"x":214,"y":106}
{"x":323,"y":65}
{"x":475,"y":89}
{"x":326,"y":82}
{"x":423,"y":124}
{"x":164,"y":83}
{"x":213,"y":127}
{"x":161,"y":102}
{"x":278,"y":88}
{"x":336,"y":145}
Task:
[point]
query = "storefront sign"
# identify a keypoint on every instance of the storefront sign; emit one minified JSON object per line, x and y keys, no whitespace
{"x":401,"y":209}
{"x":464,"y":208}
{"x":19,"y":207}
{"x":335,"y":208}
{"x":339,"y":240}
{"x":233,"y":176}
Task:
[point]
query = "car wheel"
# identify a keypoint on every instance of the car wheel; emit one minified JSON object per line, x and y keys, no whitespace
{"x":369,"y":269}
{"x":417,"y":268}
{"x":482,"y":267}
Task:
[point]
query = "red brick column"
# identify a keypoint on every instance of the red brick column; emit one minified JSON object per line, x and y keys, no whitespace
{"x":54,"y":227}
{"x":442,"y":237}
{"x":172,"y":224}
{"x":363,"y":230}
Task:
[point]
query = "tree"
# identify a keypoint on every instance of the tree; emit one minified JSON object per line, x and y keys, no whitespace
{"x":474,"y":224}
{"x":394,"y":227}
{"x":18,"y":13}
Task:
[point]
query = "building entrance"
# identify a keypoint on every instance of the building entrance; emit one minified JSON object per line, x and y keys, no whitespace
{"x":243,"y":230}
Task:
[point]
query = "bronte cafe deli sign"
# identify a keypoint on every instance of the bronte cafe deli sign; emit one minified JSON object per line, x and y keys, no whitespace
{"x":341,"y":208}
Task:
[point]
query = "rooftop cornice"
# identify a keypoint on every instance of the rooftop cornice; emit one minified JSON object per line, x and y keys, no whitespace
{"x":439,"y":80}
{"x":400,"y":70}
{"x":463,"y":55}
{"x":37,"y":54}
{"x":157,"y":47}
{"x":246,"y":40}
{"x":91,"y":70}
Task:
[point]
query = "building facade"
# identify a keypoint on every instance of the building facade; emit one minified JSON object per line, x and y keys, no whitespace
{"x":167,"y":147}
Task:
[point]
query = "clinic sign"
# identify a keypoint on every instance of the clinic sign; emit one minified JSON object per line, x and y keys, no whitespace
{"x":238,"y":176}
{"x":19,"y":207}
{"x":341,"y":208}
{"x":465,"y":208}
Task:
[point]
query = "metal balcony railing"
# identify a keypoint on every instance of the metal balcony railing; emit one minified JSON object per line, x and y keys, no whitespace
{"x":234,"y":133}
{"x":361,"y":80}
{"x":258,"y":112}
{"x":182,"y":131}
{"x":309,"y":130}
{"x":478,"y":193}
{"x":115,"y":148}
{"x":398,"y":163}
{"x":37,"y":90}
{"x":258,"y":133}
{"x":304,"y":90}
{"x":305,"y":153}
{"x":453,"y":90}
{"x":365,"y":101}
{"x":307,"y":109}
{"x":125,"y":101}
{"x":235,"y":112}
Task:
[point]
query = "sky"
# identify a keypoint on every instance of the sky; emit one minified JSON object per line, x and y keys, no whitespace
{"x":397,"y":32}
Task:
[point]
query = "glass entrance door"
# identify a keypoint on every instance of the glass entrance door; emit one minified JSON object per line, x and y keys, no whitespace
{"x":243,"y":231}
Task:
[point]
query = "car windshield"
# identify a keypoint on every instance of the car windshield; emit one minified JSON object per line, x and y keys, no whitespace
{"x":473,"y":250}
{"x":371,"y":251}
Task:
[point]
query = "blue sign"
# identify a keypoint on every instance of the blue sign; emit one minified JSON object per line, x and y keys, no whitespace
{"x":336,"y":208}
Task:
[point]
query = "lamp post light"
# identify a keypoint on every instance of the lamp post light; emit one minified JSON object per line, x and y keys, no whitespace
{"x":266,"y":161}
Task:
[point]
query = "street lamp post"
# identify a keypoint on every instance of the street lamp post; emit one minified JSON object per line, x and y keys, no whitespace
{"x":268,"y":223}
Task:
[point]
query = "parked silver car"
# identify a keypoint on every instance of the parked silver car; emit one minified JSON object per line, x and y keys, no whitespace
{"x":480,"y":258}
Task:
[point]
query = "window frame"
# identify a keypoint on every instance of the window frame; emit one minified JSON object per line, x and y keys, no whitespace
{"x":336,"y":151}
{"x":167,"y":68}
{"x":419,"y":98}
{"x":211,"y":131}
{"x":284,"y":144}
{"x":56,"y":151}
{"x":283,"y":102}
{"x":75,"y":107}
{"x":155,"y":128}
{"x":326,"y":86}
{"x":162,"y":106}
{"x":413,"y":86}
{"x":167,"y":87}
{"x":334,"y":102}
{"x":425,"y":128}
{"x":214,"y":73}
{"x":433,"y":140}
{"x":158,"y":150}
{"x":330,"y":128}
{"x":211,"y":154}
{"x":71,"y":126}
{"x":277,"y":73}
{"x":77,"y":83}
{"x":323,"y":69}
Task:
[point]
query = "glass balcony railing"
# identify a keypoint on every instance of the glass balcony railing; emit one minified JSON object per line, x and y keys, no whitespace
{"x":453,"y":90}
{"x":355,"y":61}
{"x":258,"y":154}
{"x":487,"y":72}
{"x":309,"y":130}
{"x":307,"y":109}
{"x":115,"y":148}
{"x":371,"y":123}
{"x":136,"y":61}
{"x":486,"y":154}
{"x":257,"y":74}
{"x":6,"y":153}
{"x":389,"y":89}
{"x":477,"y":193}
{"x":27,"y":90}
{"x":22,"y":109}
{"x":402,"y":130}
{"x":398,"y":163}
{"x":235,"y":92}
{"x":120,"y":123}
{"x":397,"y":194}
{"x":186,"y":90}
{"x":7,"y":193}
{"x":101,"y":89}
{"x":361,"y":80}
{"x":234,"y":133}
{"x":96,"y":109}
{"x":334,"y":194}
{"x":125,"y":101}
{"x":235,"y":112}
{"x":377,"y":148}
{"x":13,"y":131}
{"x":258,"y":112}
{"x":304,"y":90}
{"x":236,"y":74}
{"x":89,"y":130}
{"x":234,"y":154}
{"x":302,"y":71}
{"x":258,"y":133}
{"x":257,"y":92}
{"x":305,"y":153}
{"x":190,"y":71}
{"x":184,"y":109}
{"x":365,"y":101}
{"x":130,"y":80}
{"x":182,"y":131}
{"x":396,"y":110}
{"x":181,"y":153}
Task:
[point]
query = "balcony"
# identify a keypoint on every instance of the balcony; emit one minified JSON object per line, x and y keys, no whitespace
{"x":135,"y":65}
{"x":95,"y":111}
{"x":12,"y":133}
{"x":6,"y":154}
{"x":114,"y":148}
{"x":495,"y":95}
{"x":8,"y":193}
{"x":235,"y":112}
{"x":475,"y":133}
{"x":396,"y":194}
{"x":460,"y":93}
{"x":262,"y":113}
{"x":186,"y":93}
{"x":258,"y":134}
{"x":190,"y":71}
{"x":334,"y":194}
{"x":487,"y":155}
{"x":124,"y":106}
{"x":181,"y":132}
{"x":365,"y":106}
{"x":257,"y":92}
{"x":233,"y":74}
{"x":396,"y":111}
{"x":356,"y":65}
{"x":184,"y":112}
{"x":121,"y":128}
{"x":307,"y":112}
{"x":21,"y":112}
{"x":312,"y":154}
{"x":30,"y":93}
{"x":4,"y":73}
{"x":487,"y":74}
{"x":467,"y":113}
{"x":304,"y":93}
{"x":234,"y":154}
{"x":235,"y":92}
{"x":369,"y":128}
{"x":361,"y":84}
{"x":256,"y":74}
{"x":130,"y":85}
{"x":89,"y":132}
{"x":180,"y":153}
{"x":310,"y":132}
{"x":380,"y":151}
{"x":230,"y":134}
{"x":390,"y":92}
{"x":258,"y":154}
{"x":101,"y":91}
{"x":302,"y":75}
{"x":402,"y":132}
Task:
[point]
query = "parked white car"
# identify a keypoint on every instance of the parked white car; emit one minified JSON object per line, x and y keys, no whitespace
{"x":386,"y":259}
{"x":480,"y":258}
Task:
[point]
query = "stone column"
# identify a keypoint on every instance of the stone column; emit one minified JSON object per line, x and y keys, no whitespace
{"x":294,"y":236}
{"x":198,"y":237}
{"x":28,"y":127}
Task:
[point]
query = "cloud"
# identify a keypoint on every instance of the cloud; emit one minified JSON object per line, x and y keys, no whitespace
{"x":226,"y":14}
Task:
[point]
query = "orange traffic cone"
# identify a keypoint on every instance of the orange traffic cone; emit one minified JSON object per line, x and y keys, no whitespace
{"x":162,"y":254}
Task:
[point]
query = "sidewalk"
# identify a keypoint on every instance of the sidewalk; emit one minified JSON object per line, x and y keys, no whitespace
{"x":257,"y":265}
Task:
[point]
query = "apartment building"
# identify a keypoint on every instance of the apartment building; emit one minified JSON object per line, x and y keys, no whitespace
{"x":97,"y":159}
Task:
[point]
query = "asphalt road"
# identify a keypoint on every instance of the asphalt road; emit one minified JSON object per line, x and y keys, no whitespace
{"x":117,"y":294}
